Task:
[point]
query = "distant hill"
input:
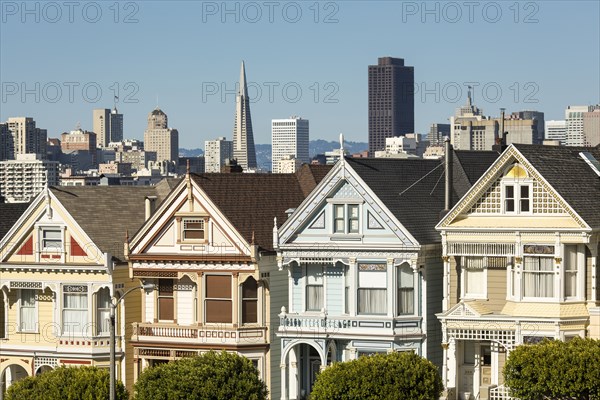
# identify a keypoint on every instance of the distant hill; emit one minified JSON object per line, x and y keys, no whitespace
{"x":263,"y":151}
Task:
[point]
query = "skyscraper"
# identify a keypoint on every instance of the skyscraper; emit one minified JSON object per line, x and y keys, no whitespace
{"x":538,"y":117}
{"x":391,"y":101}
{"x":289,"y":139}
{"x":161,"y":139}
{"x":26,"y":138}
{"x":574,"y":118}
{"x":107,"y":125}
{"x":243,"y":138}
{"x":556,"y":130}
{"x":216,"y":153}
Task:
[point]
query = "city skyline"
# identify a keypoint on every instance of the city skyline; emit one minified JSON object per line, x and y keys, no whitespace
{"x":200,"y":95}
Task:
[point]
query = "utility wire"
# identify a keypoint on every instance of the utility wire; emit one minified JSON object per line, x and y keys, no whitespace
{"x":426,"y":175}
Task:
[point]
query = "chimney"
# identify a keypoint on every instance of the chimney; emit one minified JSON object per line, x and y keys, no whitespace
{"x":231,"y":166}
{"x":448,"y":174}
{"x":149,"y":206}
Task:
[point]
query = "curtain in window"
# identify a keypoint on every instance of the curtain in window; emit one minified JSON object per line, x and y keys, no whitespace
{"x":314,"y":288}
{"x":570,"y":270}
{"x":75,"y":316}
{"x":474,"y":276}
{"x":103,"y":305}
{"x":372,"y":292}
{"x":28,"y":316}
{"x":405,"y":290}
{"x":538,"y":277}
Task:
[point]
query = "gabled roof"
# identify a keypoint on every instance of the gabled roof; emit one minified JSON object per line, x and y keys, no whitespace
{"x":9,"y":214}
{"x":251,"y":201}
{"x":106,"y":213}
{"x":413,"y":189}
{"x":468,"y":167}
{"x":573,"y":179}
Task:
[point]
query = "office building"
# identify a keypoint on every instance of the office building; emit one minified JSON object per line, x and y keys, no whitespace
{"x":591,"y":128}
{"x":6,"y":143}
{"x":161,"y":139}
{"x":289,"y":139}
{"x":243,"y":138}
{"x":556,"y":130}
{"x":79,"y":140}
{"x":538,"y":117}
{"x":391,"y":101}
{"x":437,"y":133}
{"x":574,"y":118}
{"x":108,"y":125}
{"x":26,"y":137}
{"x":216,"y":153}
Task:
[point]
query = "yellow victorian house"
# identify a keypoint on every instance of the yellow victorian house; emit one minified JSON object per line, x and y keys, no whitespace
{"x":60,"y":263}
{"x":520,"y":254}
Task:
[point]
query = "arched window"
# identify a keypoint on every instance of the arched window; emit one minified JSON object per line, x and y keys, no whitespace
{"x":406,"y":290}
{"x":516,"y":191}
{"x":250,"y":301}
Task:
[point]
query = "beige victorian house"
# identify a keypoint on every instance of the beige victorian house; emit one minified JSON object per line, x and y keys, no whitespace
{"x":520,"y":254}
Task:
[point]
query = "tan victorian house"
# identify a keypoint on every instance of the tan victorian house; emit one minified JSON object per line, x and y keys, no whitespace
{"x":208,"y":249}
{"x":60,"y":263}
{"x":520,"y":254}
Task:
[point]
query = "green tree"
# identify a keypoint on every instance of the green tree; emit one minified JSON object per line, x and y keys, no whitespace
{"x":555,"y":370}
{"x":211,"y":376}
{"x":400,"y":376}
{"x":66,"y":383}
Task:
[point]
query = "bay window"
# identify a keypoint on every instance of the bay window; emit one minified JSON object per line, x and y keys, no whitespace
{"x":314,"y":288}
{"x":372,"y":289}
{"x":538,"y":276}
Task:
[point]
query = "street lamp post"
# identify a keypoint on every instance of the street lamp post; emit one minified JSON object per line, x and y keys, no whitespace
{"x":114,"y":302}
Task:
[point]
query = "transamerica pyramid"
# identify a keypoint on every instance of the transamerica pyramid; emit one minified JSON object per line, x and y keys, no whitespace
{"x":243,"y":138}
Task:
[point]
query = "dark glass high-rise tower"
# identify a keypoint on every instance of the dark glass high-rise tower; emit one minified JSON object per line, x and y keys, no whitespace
{"x":391,"y":101}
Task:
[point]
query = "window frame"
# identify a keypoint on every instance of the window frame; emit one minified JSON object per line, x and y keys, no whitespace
{"x":165,"y":296}
{"x":576,"y":271}
{"x":207,"y":299}
{"x":517,"y":184}
{"x":371,"y":268}
{"x":34,"y":307}
{"x":315,"y":285}
{"x":244,"y":300}
{"x":400,"y":288}
{"x":463,"y":279}
{"x":83,"y":291}
{"x":192,"y":220}
{"x":347,"y":218}
{"x":99,"y":320}
{"x":525,"y":272}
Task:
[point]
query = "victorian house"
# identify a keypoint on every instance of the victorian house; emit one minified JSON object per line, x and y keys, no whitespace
{"x":208,"y":249}
{"x":60,"y":263}
{"x":362,"y":262}
{"x":520,"y":254}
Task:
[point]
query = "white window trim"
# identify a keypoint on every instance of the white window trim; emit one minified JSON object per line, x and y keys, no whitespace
{"x":463,"y":294}
{"x":522,"y":273}
{"x":232,"y":299}
{"x":83,"y":332}
{"x":304,"y":286}
{"x":389,"y":308}
{"x":415,"y":276}
{"x":346,"y":203}
{"x":580,"y":274}
{"x":516,"y":183}
{"x":40,"y":228}
{"x":36,"y":308}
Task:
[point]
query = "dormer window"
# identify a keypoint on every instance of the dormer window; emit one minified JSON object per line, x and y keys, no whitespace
{"x":193,"y":229}
{"x":517,"y":191}
{"x":346,"y":218}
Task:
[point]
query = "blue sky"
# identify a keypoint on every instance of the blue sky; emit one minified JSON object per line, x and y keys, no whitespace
{"x":540,"y":55}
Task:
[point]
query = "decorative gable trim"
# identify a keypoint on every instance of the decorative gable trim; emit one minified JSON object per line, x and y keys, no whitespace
{"x":468,"y":310}
{"x":486,"y":185}
{"x":343,"y":172}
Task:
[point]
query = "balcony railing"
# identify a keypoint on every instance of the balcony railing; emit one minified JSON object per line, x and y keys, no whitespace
{"x":209,"y":334}
{"x":294,"y":324}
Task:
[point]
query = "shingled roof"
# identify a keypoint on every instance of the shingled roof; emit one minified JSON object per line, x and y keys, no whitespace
{"x":9,"y":214}
{"x":468,"y":166}
{"x":569,"y":175}
{"x":251,"y":201}
{"x":106,"y":213}
{"x":413,"y":189}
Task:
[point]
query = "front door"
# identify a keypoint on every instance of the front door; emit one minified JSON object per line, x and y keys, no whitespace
{"x":466,"y":370}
